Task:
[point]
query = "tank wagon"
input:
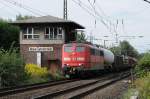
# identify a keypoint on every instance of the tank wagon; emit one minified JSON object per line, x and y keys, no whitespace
{"x":78,"y":58}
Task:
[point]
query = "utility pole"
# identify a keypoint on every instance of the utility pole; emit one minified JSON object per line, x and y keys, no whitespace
{"x":105,"y":43}
{"x":91,"y":37}
{"x":65,"y":10}
{"x":116,"y":37}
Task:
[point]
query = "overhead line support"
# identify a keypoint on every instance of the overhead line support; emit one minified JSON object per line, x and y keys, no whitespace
{"x":65,"y":10}
{"x":147,"y":1}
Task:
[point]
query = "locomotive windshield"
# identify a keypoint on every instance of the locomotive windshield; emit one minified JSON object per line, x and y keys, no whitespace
{"x":73,"y":49}
{"x":79,"y":49}
{"x":68,"y":49}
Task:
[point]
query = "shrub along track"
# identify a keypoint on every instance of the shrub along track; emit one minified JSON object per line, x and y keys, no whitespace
{"x":62,"y":89}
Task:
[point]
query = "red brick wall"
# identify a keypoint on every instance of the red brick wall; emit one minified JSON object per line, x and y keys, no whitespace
{"x":30,"y":56}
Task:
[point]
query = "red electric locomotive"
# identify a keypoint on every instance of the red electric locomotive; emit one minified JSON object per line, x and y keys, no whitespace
{"x":79,"y":57}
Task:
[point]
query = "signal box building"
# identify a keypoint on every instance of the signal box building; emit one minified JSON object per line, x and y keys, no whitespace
{"x":41,"y":39}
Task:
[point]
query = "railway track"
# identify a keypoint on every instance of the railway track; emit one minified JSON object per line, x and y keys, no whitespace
{"x":19,"y":89}
{"x":61,"y":89}
{"x":82,"y":90}
{"x":29,"y":91}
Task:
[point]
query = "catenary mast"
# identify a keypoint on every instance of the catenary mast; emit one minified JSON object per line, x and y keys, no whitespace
{"x":65,"y":16}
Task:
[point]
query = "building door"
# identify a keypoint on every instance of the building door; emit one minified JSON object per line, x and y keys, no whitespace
{"x":39,"y":59}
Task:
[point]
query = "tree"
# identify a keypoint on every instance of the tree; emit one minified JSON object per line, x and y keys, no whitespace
{"x":141,"y":55}
{"x":125,"y":48}
{"x":8,"y":34}
{"x":81,"y":37}
{"x":20,"y":17}
{"x":116,"y":50}
{"x":128,"y":49}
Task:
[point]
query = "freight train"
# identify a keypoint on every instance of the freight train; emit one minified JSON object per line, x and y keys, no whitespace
{"x":79,"y":58}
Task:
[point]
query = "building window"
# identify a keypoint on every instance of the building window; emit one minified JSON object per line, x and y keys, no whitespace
{"x":47,"y":33}
{"x":60,"y":31}
{"x":30,"y":33}
{"x":53,"y":33}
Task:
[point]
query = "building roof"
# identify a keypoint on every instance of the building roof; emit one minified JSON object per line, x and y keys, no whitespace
{"x":48,"y":20}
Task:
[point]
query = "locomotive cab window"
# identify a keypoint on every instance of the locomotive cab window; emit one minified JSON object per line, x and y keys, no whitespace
{"x":71,"y":49}
{"x":80,"y":49}
{"x":68,"y":49}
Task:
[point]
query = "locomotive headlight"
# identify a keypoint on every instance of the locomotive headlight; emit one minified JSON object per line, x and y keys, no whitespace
{"x":67,"y":59}
{"x":80,"y":64}
{"x":80,"y":58}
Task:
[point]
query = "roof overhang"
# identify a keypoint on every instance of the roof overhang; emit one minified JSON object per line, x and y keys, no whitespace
{"x":70,"y":24}
{"x":48,"y":20}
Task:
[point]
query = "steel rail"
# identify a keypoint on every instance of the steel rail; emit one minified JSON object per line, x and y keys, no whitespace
{"x":116,"y":77}
{"x":19,"y":89}
{"x":60,"y":92}
{"x":78,"y":96}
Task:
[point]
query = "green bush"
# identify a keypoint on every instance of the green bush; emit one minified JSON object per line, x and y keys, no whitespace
{"x":143,"y":86}
{"x":8,"y":34}
{"x":11,"y":68}
{"x":142,"y":83}
{"x":37,"y":74}
{"x":143,"y":66}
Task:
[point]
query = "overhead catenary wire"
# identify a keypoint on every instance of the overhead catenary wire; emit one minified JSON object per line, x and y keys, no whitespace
{"x":147,"y":1}
{"x":6,"y":8}
{"x":103,"y":16}
{"x":100,"y":9}
{"x":123,"y":26}
{"x":90,"y":11}
{"x":103,"y":12}
{"x":1,"y":7}
{"x":93,"y":6}
{"x":95,"y":11}
{"x":9,"y":6}
{"x":27,"y":8}
{"x":97,"y":15}
{"x":115,"y":26}
{"x":106,"y":17}
{"x":80,"y":3}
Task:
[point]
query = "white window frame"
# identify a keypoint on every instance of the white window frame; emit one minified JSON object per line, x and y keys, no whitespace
{"x":58,"y":33}
{"x":32,"y":34}
{"x":53,"y":29}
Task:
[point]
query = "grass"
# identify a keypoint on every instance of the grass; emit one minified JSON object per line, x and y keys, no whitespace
{"x":142,"y":86}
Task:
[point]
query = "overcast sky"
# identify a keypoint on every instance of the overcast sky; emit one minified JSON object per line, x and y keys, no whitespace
{"x":134,"y":13}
